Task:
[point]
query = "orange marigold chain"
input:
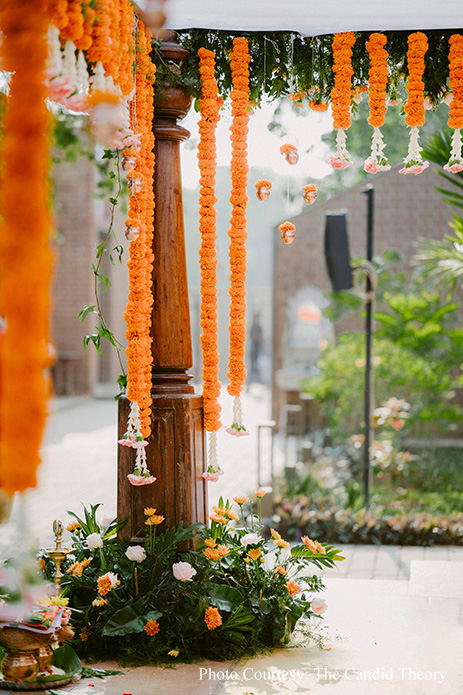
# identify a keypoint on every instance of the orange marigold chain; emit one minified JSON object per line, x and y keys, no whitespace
{"x":126,"y":48}
{"x":57,"y":10}
{"x":207,"y":160}
{"x":414,"y":108}
{"x":455,"y":163}
{"x":378,"y":76}
{"x":100,"y":50}
{"x":239,"y":174}
{"x":25,"y":254}
{"x":139,"y":306}
{"x":341,"y":95}
{"x":89,"y":14}
{"x":74,"y":29}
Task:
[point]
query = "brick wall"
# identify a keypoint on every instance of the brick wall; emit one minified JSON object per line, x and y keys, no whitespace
{"x":406,"y":207}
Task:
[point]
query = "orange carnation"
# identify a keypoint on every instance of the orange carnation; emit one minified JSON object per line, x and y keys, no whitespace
{"x":152,"y":627}
{"x":293,"y":587}
{"x":213,"y":619}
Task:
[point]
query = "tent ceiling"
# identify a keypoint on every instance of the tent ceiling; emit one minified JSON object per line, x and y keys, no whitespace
{"x":312,"y":18}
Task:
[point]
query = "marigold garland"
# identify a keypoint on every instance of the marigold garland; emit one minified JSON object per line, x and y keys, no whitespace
{"x":25,"y":255}
{"x":239,"y":173}
{"x":378,"y":76}
{"x":455,"y":163}
{"x":341,"y":94}
{"x":207,"y":160}
{"x":310,"y":193}
{"x":263,"y":187}
{"x":414,"y":108}
{"x":287,"y":230}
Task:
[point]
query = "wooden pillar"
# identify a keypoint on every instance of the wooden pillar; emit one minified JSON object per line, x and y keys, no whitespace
{"x":176,"y":449}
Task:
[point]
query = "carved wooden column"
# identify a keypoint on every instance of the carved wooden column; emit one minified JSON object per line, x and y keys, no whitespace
{"x":176,"y":450}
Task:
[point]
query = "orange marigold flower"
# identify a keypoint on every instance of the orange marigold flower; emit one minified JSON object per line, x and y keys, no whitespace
{"x":78,"y":567}
{"x":218,"y":519}
{"x":260,"y":493}
{"x":241,"y":500}
{"x":210,"y":542}
{"x":149,"y":511}
{"x":212,"y":554}
{"x":223,"y":550}
{"x":154,"y":520}
{"x":73,"y":526}
{"x":84,"y":634}
{"x":281,"y":570}
{"x":287,"y":148}
{"x":152,"y":627}
{"x":254,"y":553}
{"x":213,"y":619}
{"x":293,"y":587}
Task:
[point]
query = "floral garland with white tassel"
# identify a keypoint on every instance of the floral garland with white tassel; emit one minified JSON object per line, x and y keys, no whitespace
{"x":378,"y":76}
{"x":414,"y":108}
{"x":239,"y":173}
{"x":341,"y":95}
{"x":207,"y":160}
{"x":455,"y":163}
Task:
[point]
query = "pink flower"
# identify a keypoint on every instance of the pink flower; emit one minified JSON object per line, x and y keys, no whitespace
{"x":183,"y":571}
{"x":339,"y":163}
{"x":139,"y":444}
{"x":394,"y":102}
{"x":397,"y":424}
{"x":237,"y":432}
{"x":127,"y":439}
{"x":454,"y":168}
{"x":373,"y":168}
{"x":318,"y":606}
{"x":59,"y":86}
{"x":76,"y":102}
{"x":414,"y":169}
{"x":140,"y":479}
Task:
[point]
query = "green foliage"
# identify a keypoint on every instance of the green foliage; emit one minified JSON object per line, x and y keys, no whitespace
{"x":437,"y":150}
{"x":440,"y":263}
{"x":236,"y":576}
{"x":282,"y":62}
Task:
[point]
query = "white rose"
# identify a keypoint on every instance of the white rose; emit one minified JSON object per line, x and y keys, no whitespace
{"x":113,"y":578}
{"x":183,"y":571}
{"x":94,"y":540}
{"x":106,"y":521}
{"x":136,"y":553}
{"x":318,"y":606}
{"x":250,"y":539}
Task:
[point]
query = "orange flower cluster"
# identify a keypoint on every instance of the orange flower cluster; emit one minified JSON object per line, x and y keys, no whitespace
{"x":414,"y":108}
{"x":286,"y":227}
{"x":287,"y":148}
{"x":85,"y":41}
{"x":74,"y":29}
{"x":101,"y":48}
{"x":25,"y":254}
{"x":58,"y":12}
{"x":263,"y":183}
{"x":207,"y":160}
{"x":152,"y":627}
{"x":239,"y":173}
{"x":213,"y":619}
{"x":141,"y":214}
{"x":456,"y":81}
{"x":342,"y":68}
{"x":318,"y":105}
{"x":293,"y":587}
{"x":377,"y":77}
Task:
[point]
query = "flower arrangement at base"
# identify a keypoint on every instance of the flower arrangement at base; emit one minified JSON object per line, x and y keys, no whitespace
{"x":235,"y":593}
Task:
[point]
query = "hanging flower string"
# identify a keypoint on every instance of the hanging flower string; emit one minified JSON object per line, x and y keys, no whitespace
{"x":455,"y":163}
{"x":239,"y":173}
{"x":263,"y":187}
{"x":134,"y":438}
{"x":207,"y":160}
{"x":140,"y":217}
{"x":414,"y":108}
{"x":310,"y":193}
{"x":25,"y":254}
{"x":341,"y":95}
{"x":287,"y":231}
{"x":290,"y":152}
{"x":378,"y":76}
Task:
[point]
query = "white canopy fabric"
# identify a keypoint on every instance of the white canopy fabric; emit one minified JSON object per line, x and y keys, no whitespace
{"x":313,"y":17}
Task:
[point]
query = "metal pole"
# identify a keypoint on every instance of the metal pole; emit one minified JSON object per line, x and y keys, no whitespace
{"x":369,"y":192}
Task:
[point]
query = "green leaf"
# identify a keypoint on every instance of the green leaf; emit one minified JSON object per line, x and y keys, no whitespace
{"x":225,"y":598}
{"x":113,"y":201}
{"x":82,"y":315}
{"x":128,"y":621}
{"x":88,"y":672}
{"x":66,"y":658}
